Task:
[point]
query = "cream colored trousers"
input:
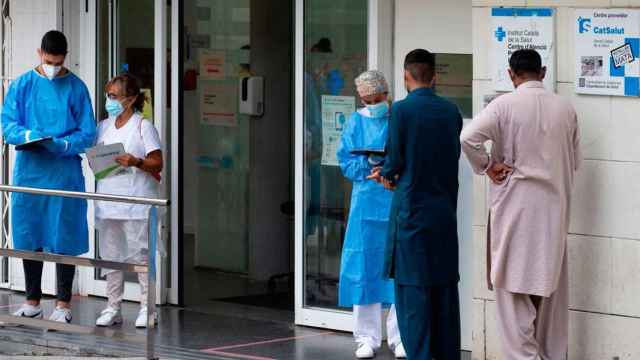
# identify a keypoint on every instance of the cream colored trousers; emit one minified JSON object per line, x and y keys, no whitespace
{"x":533,"y":327}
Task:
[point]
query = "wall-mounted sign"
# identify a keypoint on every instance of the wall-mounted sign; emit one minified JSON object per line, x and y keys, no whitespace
{"x":454,"y":74}
{"x":520,"y":28}
{"x":212,"y":65}
{"x":607,"y":49}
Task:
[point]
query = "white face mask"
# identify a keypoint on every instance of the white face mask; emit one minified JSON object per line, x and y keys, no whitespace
{"x":51,"y":71}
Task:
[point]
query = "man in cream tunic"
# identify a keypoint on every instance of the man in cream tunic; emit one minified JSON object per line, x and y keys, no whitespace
{"x":534,"y":156}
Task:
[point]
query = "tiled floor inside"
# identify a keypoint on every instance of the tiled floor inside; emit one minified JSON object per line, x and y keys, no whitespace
{"x":227,"y":331}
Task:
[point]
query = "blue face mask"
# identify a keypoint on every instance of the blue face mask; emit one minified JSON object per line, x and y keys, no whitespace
{"x":379,"y":109}
{"x":113,"y":107}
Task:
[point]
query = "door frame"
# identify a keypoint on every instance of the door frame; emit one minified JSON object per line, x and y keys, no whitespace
{"x":175,"y":191}
{"x":88,"y":285}
{"x":380,"y":56}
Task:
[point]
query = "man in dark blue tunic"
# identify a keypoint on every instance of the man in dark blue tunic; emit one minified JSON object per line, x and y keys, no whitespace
{"x":421,"y":165}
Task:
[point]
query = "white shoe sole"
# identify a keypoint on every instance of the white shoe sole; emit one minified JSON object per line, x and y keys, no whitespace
{"x":365,"y":357}
{"x":113,"y":323}
{"x":145,"y":325}
{"x":155,"y":322}
{"x":39,"y":315}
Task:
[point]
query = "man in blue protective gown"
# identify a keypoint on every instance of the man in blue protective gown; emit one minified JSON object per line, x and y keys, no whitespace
{"x":421,"y":165}
{"x":362,"y":284}
{"x":49,"y":102}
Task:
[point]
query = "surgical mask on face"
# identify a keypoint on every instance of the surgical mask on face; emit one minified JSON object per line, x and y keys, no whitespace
{"x":379,"y":109}
{"x":51,"y":71}
{"x":113,"y":107}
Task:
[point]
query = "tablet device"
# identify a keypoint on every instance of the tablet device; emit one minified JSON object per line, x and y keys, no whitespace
{"x":368,"y":152}
{"x":30,"y":145}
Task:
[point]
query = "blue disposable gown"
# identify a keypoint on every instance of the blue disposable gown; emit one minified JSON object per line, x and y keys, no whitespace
{"x":361,"y":272}
{"x":60,"y":108}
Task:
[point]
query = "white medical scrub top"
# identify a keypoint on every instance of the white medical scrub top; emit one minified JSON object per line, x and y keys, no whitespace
{"x":140,"y":138}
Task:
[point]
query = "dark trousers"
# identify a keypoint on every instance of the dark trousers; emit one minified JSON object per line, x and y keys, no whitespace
{"x":33,"y":280}
{"x":429,"y":321}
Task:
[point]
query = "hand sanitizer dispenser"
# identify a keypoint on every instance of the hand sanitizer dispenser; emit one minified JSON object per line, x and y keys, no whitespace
{"x":252,"y":96}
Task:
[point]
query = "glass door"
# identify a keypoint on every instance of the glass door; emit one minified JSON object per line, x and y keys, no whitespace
{"x":335,"y":41}
{"x":127,"y":42}
{"x":237,"y":164}
{"x":331,"y":50}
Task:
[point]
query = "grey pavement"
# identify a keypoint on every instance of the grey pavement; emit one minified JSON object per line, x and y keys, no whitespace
{"x":231,"y":332}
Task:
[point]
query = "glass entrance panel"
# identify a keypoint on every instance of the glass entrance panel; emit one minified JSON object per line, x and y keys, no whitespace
{"x":237,"y":176}
{"x":218,"y":49}
{"x":335,"y":52}
{"x":125,"y":44}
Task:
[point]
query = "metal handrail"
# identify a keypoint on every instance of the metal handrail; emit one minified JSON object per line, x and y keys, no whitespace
{"x":150,"y":268}
{"x":85,"y":195}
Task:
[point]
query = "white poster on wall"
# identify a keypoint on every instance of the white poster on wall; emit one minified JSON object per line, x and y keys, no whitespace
{"x":520,"y":28}
{"x":336,"y":110}
{"x":218,"y":104}
{"x":607,"y":49}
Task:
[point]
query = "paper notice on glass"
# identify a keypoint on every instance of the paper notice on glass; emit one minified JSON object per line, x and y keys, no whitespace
{"x":336,"y":110}
{"x":102,"y":160}
{"x":218,"y":104}
{"x":212,"y":65}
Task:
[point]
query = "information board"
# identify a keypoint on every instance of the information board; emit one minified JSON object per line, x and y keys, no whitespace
{"x":607,"y":44}
{"x":521,"y":28}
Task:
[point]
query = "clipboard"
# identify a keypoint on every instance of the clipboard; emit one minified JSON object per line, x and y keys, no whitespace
{"x":33,"y":144}
{"x":102,"y":160}
{"x":369,"y":152}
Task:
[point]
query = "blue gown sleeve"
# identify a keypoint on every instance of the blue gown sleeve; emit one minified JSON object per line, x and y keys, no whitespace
{"x":13,"y":129}
{"x":394,"y":160}
{"x":83,"y":136}
{"x":354,"y":167}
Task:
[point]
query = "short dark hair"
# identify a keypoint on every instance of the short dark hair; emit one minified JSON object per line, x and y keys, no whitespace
{"x":55,"y":43}
{"x":421,"y":64}
{"x":323,"y":45}
{"x":526,"y":61}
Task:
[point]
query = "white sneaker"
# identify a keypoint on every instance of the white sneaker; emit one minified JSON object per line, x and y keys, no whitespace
{"x":61,"y":314}
{"x":365,"y":352}
{"x":399,"y":352}
{"x":109,"y":317}
{"x":30,"y":311}
{"x":141,"y":321}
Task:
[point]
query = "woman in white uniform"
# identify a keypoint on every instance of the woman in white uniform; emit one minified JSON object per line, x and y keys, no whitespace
{"x":122,"y":227}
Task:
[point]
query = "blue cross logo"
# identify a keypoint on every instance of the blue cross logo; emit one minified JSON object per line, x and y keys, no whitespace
{"x":500,"y":34}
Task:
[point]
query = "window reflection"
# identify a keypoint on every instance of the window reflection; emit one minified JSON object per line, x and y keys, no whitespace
{"x":335,"y":53}
{"x":455,"y":80}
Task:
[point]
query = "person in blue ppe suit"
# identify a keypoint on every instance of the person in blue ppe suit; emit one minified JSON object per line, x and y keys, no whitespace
{"x":362,"y":284}
{"x":49,"y":102}
{"x":421,"y":165}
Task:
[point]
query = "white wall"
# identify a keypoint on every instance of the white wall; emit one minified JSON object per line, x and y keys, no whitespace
{"x":604,"y":245}
{"x":442,"y":27}
{"x":30,"y":19}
